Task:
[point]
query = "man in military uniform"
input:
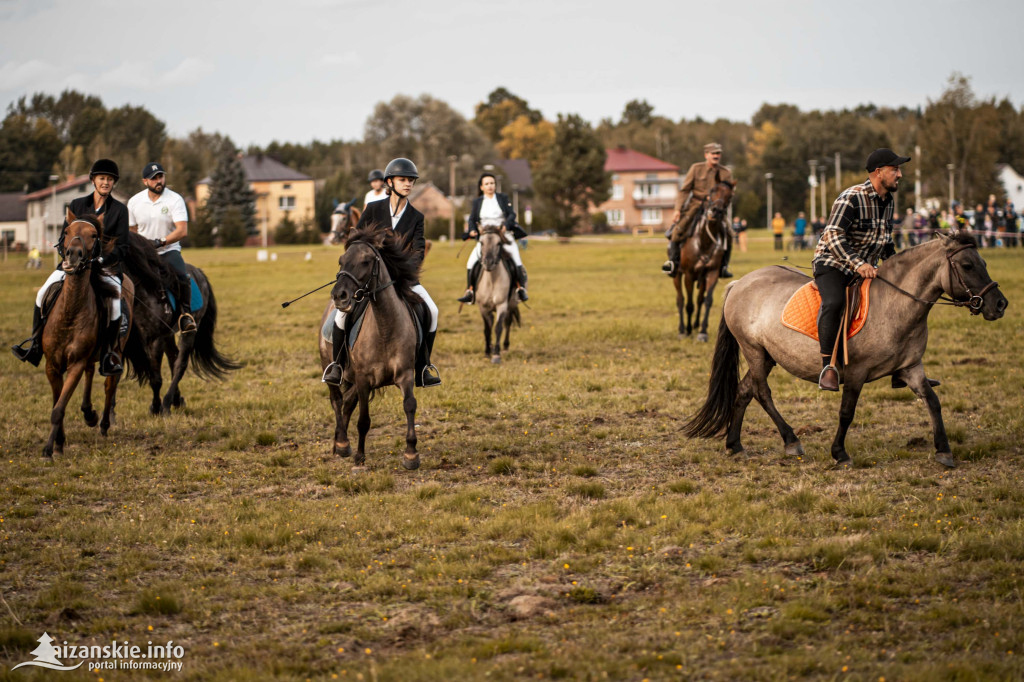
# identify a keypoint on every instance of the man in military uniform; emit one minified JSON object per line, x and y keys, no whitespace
{"x":700,"y":179}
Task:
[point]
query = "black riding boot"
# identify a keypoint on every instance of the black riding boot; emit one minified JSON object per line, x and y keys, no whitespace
{"x":333,"y":372}
{"x":34,"y":353}
{"x":521,"y":273}
{"x":186,"y":323}
{"x":669,"y":267}
{"x":725,"y":272}
{"x":424,"y":377}
{"x":471,"y":276}
{"x":110,"y":365}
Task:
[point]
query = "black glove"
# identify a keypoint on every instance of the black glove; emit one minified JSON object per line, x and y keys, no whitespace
{"x":158,"y":243}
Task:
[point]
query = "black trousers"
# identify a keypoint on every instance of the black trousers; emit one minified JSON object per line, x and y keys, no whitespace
{"x":177,"y":263}
{"x":832,"y":285}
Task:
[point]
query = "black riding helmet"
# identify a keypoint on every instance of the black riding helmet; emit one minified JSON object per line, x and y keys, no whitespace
{"x":104,"y":167}
{"x":402,"y":168}
{"x":375,"y":174}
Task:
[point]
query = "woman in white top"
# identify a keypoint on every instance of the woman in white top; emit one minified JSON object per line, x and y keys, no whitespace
{"x":492,"y":209}
{"x":377,"y":190}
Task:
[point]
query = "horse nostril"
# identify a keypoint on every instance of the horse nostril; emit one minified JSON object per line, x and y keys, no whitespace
{"x":1001,"y":305}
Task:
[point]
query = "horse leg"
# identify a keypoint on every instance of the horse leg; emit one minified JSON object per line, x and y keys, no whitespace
{"x":496,"y":348}
{"x":346,"y":403}
{"x":488,"y":318}
{"x":918,"y":383}
{"x":852,"y":385}
{"x":363,"y":425}
{"x":411,"y":459}
{"x":677,"y":282}
{"x":708,"y":296}
{"x":760,"y":367}
{"x":178,"y":359}
{"x":91,"y":418}
{"x":689,"y":303}
{"x":62,"y":395}
{"x":508,"y":329}
{"x":156,"y":357}
{"x":745,"y":392}
{"x":110,"y":401}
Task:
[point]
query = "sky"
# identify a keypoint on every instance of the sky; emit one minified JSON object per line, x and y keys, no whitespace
{"x":301,"y":70}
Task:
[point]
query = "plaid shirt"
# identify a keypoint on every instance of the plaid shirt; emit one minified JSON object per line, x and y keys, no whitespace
{"x":859,"y":230}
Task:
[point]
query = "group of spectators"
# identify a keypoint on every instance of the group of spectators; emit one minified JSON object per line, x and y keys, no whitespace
{"x":992,"y":225}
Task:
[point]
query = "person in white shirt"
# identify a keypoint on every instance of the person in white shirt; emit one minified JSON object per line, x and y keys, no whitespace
{"x":160,"y":215}
{"x":492,"y":209}
{"x":377,"y":191}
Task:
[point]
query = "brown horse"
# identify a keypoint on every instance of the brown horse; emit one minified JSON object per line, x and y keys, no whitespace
{"x":71,"y":334}
{"x":377,"y":269}
{"x":344,"y":218}
{"x":499,"y":306}
{"x":892,"y":343}
{"x":700,"y":260}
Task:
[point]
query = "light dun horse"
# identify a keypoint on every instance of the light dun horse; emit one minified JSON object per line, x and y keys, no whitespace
{"x":375,"y":268}
{"x":700,"y":260}
{"x":344,"y":218}
{"x":71,"y":334}
{"x":499,"y":306}
{"x":892,"y":343}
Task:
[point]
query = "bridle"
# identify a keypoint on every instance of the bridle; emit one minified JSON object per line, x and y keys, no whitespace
{"x":973,"y":302}
{"x":85,"y":263}
{"x":500,"y":232}
{"x":369,"y":287}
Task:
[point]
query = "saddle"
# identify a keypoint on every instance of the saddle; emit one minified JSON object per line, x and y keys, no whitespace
{"x":196,"y":299}
{"x":354,"y":322}
{"x":510,"y":267}
{"x":801,"y":311}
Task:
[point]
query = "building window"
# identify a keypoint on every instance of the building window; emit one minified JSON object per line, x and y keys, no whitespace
{"x":615,"y":217}
{"x":8,"y":237}
{"x":286,"y":185}
{"x":651,"y":216}
{"x":617,"y":192}
{"x":648,"y":190}
{"x":286,"y":203}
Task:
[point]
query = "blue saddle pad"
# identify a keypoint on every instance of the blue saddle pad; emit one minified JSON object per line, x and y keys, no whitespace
{"x":355,"y":326}
{"x":197,"y":297}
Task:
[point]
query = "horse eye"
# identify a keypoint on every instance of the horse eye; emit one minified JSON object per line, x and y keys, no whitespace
{"x":968,"y":266}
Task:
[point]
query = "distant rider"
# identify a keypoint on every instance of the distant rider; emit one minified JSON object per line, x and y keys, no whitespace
{"x":492,"y":209}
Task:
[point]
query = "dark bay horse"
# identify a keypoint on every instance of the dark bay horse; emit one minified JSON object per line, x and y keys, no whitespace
{"x":378,"y":269}
{"x":499,"y":306}
{"x":700,"y":259}
{"x":343,"y":219}
{"x":892,"y":343}
{"x":156,"y":325}
{"x":71,"y":334}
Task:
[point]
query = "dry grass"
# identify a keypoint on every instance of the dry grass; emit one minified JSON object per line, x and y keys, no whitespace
{"x":560,"y":525}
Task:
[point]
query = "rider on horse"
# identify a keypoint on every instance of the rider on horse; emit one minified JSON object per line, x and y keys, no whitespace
{"x":104,"y":175}
{"x":858,"y":234}
{"x":377,"y":191}
{"x":159,"y":214}
{"x":492,"y":209}
{"x":700,"y":179}
{"x":398,"y":214}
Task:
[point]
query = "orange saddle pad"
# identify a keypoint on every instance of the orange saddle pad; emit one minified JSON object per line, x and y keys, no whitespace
{"x":801,"y":312}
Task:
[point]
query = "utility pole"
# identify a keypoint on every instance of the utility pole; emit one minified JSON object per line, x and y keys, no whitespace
{"x":950,"y":168}
{"x":768,"y":179}
{"x":917,"y":179}
{"x":839,"y":174}
{"x":812,"y":181}
{"x":451,"y":196}
{"x":824,"y":209}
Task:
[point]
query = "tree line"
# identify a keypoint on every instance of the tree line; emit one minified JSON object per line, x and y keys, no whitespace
{"x":43,"y":135}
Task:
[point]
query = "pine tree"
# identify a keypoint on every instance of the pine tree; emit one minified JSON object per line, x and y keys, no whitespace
{"x":232,"y":203}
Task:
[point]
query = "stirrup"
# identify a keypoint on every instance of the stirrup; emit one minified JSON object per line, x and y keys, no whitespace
{"x":521,"y":293}
{"x":186,"y":323}
{"x":821,"y":376}
{"x":669,"y":267}
{"x":33,"y":354}
{"x":427,"y":379}
{"x":110,"y":365}
{"x":328,"y":368}
{"x":468,"y":297}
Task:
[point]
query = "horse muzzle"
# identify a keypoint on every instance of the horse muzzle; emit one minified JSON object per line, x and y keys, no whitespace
{"x":997,"y":307}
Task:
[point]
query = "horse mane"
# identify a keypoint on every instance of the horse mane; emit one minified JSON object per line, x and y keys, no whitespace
{"x":147,"y":268}
{"x":958,"y":237}
{"x":402,"y":262}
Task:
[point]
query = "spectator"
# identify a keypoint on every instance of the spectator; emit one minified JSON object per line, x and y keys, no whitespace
{"x":1011,"y":225}
{"x":778,"y":229}
{"x":799,"y":230}
{"x":742,"y":235}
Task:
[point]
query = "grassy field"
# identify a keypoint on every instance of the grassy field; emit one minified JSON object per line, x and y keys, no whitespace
{"x":560,"y":526}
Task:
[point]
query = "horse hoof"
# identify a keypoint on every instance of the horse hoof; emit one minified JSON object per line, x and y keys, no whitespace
{"x":945,"y":459}
{"x":845,"y":463}
{"x":91,"y":418}
{"x":734,"y":451}
{"x":342,"y":450}
{"x":155,"y":409}
{"x":796,"y":450}
{"x":496,"y":360}
{"x":702,"y":337}
{"x":358,"y":469}
{"x":412,"y":462}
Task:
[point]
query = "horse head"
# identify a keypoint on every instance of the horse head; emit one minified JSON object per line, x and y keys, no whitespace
{"x":492,"y":239}
{"x":82,"y":242}
{"x":719,"y":199}
{"x":361,"y":269}
{"x":968,"y":282}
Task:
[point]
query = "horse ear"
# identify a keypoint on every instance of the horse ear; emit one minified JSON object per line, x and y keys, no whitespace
{"x":71,"y":217}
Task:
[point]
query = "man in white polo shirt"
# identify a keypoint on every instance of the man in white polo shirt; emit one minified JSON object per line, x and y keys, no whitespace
{"x":159,"y":214}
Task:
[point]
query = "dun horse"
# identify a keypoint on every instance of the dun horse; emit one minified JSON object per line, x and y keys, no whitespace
{"x":71,"y":333}
{"x":700,"y":260}
{"x":499,"y":306}
{"x":156,"y":324}
{"x":892,"y":343}
{"x":377,"y":271}
{"x":344,"y":218}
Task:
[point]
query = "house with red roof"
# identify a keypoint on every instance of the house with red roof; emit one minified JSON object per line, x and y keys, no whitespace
{"x":643,"y":190}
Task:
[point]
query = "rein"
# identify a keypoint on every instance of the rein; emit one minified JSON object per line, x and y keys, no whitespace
{"x":974,"y":302}
{"x":367,"y":288}
{"x":86,"y":263}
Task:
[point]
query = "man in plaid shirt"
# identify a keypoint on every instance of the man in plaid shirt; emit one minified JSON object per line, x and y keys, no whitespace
{"x":858,"y":234}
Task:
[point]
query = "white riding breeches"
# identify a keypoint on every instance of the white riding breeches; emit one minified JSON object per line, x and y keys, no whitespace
{"x":511,"y":249}
{"x":339,"y":318}
{"x":113,"y":303}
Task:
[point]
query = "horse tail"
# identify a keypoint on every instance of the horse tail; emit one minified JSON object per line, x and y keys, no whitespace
{"x":714,"y":417}
{"x":138,"y":366}
{"x":514,"y":316}
{"x":207,"y":361}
